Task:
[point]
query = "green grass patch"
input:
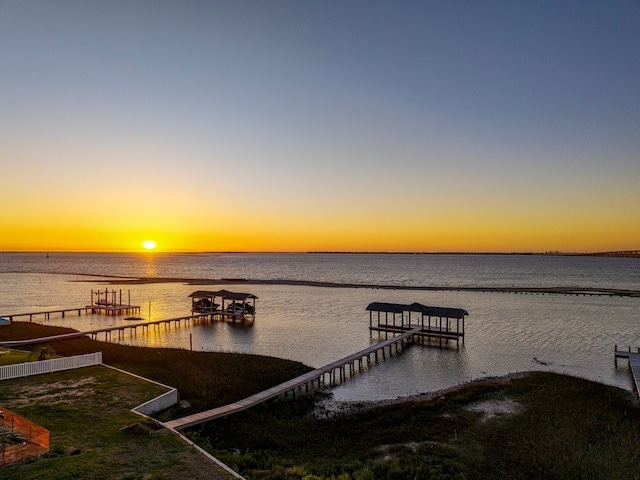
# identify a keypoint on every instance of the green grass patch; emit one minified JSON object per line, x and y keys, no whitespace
{"x":10,"y":356}
{"x":93,"y":432}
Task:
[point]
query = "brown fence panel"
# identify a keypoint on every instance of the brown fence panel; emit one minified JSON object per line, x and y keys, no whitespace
{"x":20,"y":438}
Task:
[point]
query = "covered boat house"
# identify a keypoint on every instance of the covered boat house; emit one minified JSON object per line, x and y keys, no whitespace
{"x":437,"y":323}
{"x":223,"y":303}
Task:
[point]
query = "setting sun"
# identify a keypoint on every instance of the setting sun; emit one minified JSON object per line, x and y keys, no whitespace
{"x":149,"y":244}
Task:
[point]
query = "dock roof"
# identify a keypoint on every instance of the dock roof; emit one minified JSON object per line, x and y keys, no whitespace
{"x":227,"y":295}
{"x":417,"y":307}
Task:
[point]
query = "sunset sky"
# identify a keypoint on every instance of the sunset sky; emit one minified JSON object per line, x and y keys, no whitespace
{"x":320,"y":125}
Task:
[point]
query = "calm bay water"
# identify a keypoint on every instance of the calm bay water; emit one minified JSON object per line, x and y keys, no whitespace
{"x":506,"y":333}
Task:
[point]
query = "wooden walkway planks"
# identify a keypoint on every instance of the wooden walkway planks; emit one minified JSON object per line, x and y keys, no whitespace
{"x":107,"y":309}
{"x":285,"y":387}
{"x":634,"y":364}
{"x":47,"y":313}
{"x":64,"y":336}
{"x":435,"y":332}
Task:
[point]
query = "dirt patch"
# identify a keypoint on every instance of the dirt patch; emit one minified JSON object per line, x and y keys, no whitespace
{"x":140,"y":428}
{"x":54,"y":393}
{"x":387,"y":449}
{"x":495,"y":408}
{"x":327,"y":406}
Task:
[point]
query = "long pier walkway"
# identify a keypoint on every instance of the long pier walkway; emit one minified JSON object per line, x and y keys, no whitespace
{"x":634,"y":364}
{"x":336,"y":371}
{"x":106,"y":330}
{"x":106,"y":309}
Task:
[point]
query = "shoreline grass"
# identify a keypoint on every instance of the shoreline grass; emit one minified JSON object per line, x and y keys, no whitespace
{"x":558,"y":427}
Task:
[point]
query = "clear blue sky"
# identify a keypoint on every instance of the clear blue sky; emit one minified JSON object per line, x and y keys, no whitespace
{"x":326,"y":125}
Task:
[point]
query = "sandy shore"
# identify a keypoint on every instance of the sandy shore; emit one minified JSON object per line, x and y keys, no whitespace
{"x":584,"y":291}
{"x":329,"y":406}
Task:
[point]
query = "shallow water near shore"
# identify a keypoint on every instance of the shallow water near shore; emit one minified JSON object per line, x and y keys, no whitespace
{"x":505,"y":332}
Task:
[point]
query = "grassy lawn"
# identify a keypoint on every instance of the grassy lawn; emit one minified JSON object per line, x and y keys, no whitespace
{"x":85,"y":411}
{"x":10,"y":356}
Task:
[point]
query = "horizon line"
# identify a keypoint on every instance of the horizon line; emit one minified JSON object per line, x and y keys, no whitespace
{"x":334,"y":252}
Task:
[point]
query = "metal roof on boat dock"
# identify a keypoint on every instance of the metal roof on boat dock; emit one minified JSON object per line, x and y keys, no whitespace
{"x":417,"y":307}
{"x":227,"y":295}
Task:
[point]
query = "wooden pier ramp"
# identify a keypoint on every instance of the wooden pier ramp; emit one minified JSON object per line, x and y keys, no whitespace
{"x":634,"y":364}
{"x":335,"y":371}
{"x":88,"y":309}
{"x":119,"y":329}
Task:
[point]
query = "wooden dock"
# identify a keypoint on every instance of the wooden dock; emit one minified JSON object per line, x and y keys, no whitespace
{"x":47,"y":313}
{"x":634,"y":363}
{"x":106,"y":309}
{"x":120,"y":329}
{"x":329,"y":374}
{"x":433,"y":323}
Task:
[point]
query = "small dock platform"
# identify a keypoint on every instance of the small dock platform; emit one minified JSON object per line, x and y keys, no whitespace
{"x":109,"y":303}
{"x":233,"y":306}
{"x":634,"y":363}
{"x":103,"y":302}
{"x":431,"y":323}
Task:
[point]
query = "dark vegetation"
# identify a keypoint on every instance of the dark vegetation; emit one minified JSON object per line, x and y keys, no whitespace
{"x":560,"y":427}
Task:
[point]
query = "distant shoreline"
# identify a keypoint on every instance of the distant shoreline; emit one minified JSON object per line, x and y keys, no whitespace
{"x":582,"y":291}
{"x":618,"y":254}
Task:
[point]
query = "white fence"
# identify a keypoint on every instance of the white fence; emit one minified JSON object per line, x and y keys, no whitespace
{"x":47,"y":366}
{"x":158,"y":404}
{"x":165,"y":400}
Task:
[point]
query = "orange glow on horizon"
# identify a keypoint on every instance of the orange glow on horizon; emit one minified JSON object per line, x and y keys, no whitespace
{"x":449,"y":228}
